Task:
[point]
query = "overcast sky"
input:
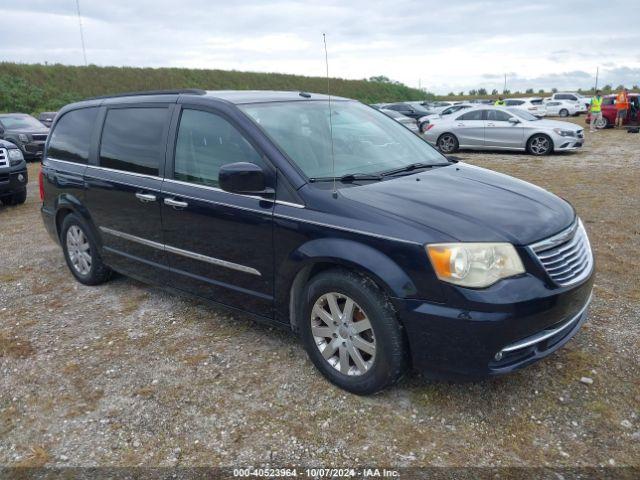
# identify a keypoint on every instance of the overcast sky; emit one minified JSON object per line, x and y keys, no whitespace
{"x":445,"y":45}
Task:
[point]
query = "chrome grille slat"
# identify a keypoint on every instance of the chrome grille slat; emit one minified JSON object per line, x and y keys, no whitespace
{"x":566,"y":257}
{"x":568,"y":264}
{"x":4,"y":157}
{"x":560,"y":250}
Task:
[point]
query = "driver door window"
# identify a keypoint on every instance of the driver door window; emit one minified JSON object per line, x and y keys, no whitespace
{"x":205,"y":143}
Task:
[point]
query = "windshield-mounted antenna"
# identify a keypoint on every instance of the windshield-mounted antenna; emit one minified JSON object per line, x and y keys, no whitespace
{"x":333,"y":158}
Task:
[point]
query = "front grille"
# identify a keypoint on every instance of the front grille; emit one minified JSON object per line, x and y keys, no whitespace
{"x":4,"y":158}
{"x":567,"y":256}
{"x":34,"y":147}
{"x":39,"y":137}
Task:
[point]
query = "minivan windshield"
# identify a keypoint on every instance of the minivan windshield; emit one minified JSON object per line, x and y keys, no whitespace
{"x":365,"y":141}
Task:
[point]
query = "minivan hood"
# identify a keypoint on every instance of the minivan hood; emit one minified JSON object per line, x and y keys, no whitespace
{"x":469,"y":203}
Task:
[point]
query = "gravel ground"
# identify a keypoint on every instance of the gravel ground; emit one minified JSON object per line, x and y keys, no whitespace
{"x":125,"y":374}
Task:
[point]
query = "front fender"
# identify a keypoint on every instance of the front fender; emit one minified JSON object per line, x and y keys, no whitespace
{"x":294,"y":271}
{"x":383,"y":269}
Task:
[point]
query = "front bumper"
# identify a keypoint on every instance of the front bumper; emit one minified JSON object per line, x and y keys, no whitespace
{"x":32,"y":150}
{"x":567,"y":144}
{"x":510,"y":325}
{"x":13,"y":180}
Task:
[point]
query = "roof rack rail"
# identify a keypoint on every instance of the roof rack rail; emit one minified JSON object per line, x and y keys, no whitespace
{"x":186,"y":91}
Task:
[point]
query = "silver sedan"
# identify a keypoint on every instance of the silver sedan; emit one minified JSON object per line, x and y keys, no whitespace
{"x":502,"y":128}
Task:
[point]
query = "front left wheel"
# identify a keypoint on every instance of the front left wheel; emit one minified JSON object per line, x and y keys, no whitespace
{"x":539,"y":145}
{"x":351,"y":333}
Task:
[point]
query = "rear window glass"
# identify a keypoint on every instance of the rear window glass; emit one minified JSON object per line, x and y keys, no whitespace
{"x":474,"y":115}
{"x":608,"y":101}
{"x":132,"y":139}
{"x":71,"y":137}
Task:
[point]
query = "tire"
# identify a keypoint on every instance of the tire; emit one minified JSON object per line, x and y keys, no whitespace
{"x":539,"y":145}
{"x":448,"y":143}
{"x":81,"y":253}
{"x":376,"y":353}
{"x":564,"y":112}
{"x":601,"y":123}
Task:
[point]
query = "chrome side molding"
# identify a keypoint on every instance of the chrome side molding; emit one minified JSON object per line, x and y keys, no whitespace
{"x":179,"y":251}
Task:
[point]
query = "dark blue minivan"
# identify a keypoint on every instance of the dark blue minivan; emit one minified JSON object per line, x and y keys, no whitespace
{"x":322,"y":215}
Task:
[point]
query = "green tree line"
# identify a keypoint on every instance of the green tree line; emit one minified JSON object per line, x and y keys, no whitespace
{"x":37,"y":88}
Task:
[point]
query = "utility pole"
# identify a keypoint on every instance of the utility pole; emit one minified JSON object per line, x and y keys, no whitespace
{"x":504,"y":87}
{"x":597,"y":72}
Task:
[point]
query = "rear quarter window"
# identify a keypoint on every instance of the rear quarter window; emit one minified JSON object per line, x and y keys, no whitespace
{"x":133,"y":139}
{"x":71,"y":136}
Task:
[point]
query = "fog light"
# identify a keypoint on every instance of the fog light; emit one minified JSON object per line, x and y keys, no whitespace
{"x":498,"y":356}
{"x":21,"y":178}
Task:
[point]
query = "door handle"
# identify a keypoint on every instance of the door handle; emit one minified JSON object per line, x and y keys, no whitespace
{"x":491,"y":124}
{"x":172,"y":202}
{"x":145,"y":197}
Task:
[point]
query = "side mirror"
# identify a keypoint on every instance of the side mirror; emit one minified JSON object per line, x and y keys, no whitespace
{"x":243,"y":177}
{"x":514,"y":120}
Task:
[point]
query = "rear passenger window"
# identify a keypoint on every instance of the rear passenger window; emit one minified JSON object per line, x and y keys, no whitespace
{"x":72,"y":135}
{"x":133,"y":139}
{"x":205,"y":143}
{"x":474,"y":115}
{"x":498,"y":116}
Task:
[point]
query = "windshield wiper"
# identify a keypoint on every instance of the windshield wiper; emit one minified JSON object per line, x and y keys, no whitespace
{"x":411,"y":167}
{"x":349,"y":177}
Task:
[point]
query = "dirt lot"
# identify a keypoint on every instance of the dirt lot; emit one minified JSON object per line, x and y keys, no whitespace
{"x":125,"y":374}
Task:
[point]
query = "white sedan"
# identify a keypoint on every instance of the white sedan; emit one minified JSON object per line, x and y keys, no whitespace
{"x":534,"y":105}
{"x":563,"y":108}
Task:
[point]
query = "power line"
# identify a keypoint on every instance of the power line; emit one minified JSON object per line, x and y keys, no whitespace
{"x":84,"y":50}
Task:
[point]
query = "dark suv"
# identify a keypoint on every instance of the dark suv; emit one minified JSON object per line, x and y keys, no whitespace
{"x":324,"y":216}
{"x":13,"y":174}
{"x":26,"y":132}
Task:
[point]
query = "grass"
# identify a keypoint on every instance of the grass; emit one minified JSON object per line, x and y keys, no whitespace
{"x":37,"y":88}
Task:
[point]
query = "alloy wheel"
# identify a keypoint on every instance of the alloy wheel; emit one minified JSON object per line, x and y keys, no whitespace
{"x":343,"y":334}
{"x":601,"y":123}
{"x":79,"y":250}
{"x":539,"y":145}
{"x":446,"y":144}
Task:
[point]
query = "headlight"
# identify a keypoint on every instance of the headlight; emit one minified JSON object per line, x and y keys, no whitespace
{"x":15,"y":156}
{"x":23,"y":138}
{"x":564,"y":133}
{"x":474,"y":264}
